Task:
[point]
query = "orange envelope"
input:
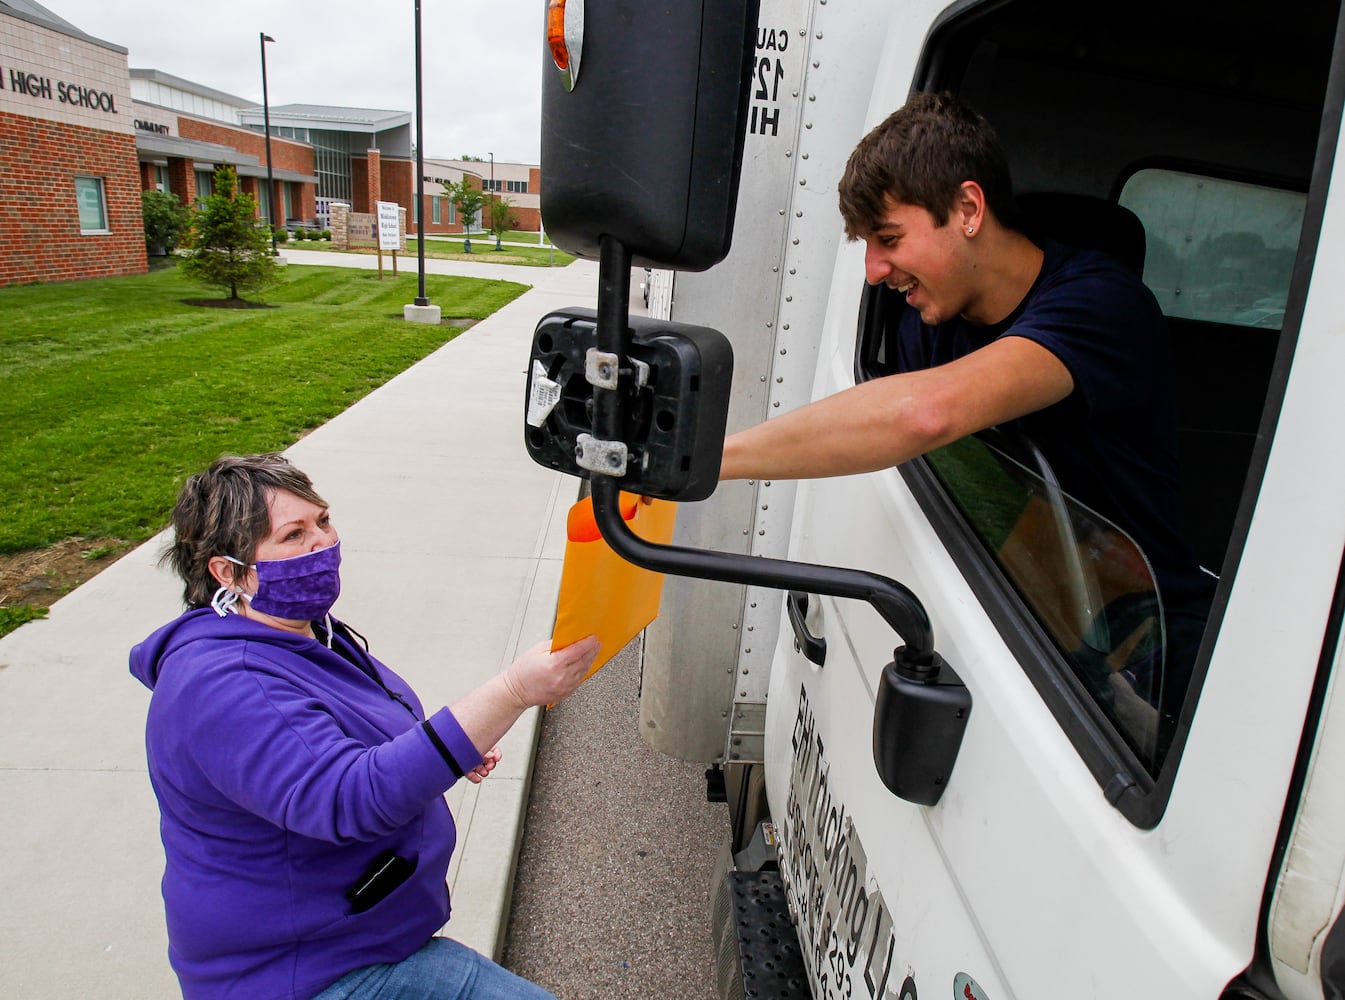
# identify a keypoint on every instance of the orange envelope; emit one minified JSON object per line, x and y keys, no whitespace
{"x":600,"y":593}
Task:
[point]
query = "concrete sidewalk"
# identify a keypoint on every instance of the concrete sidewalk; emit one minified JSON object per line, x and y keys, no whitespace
{"x":452,"y":542}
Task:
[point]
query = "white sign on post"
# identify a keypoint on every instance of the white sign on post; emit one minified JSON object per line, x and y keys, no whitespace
{"x":389,"y":226}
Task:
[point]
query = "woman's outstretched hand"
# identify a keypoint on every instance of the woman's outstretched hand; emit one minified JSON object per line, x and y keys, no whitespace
{"x":541,"y":676}
{"x":544,"y":676}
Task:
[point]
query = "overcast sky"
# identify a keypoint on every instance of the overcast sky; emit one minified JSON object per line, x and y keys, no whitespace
{"x":481,"y":60}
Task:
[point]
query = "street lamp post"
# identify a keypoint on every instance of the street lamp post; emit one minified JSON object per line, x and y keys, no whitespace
{"x":494,"y":195}
{"x":420,"y":311}
{"x":266,"y":123}
{"x":421,"y":298}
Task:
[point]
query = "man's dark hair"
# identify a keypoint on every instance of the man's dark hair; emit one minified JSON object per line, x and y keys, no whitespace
{"x":920,"y":155}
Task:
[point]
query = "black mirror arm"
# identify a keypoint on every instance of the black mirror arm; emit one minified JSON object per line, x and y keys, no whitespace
{"x":897,"y":605}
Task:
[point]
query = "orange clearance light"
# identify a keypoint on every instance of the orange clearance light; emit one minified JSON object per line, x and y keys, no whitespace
{"x":555,"y":33}
{"x":565,"y":37}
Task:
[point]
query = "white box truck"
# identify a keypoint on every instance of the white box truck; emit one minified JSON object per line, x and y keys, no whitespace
{"x":1023,"y":831}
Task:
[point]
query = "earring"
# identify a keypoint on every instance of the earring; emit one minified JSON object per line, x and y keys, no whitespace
{"x":971,"y":230}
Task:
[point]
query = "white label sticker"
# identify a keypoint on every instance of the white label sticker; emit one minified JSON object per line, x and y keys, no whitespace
{"x":543,"y":396}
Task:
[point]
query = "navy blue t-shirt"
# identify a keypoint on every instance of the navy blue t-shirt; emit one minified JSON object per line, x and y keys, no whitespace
{"x":1112,"y":442}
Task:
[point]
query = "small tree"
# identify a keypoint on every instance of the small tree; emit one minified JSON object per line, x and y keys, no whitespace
{"x":502,"y":218}
{"x":229,"y":246}
{"x":166,"y":220}
{"x":468,"y":201}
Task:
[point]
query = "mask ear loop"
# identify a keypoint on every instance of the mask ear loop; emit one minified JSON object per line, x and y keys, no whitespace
{"x":226,"y":598}
{"x":223,"y":602}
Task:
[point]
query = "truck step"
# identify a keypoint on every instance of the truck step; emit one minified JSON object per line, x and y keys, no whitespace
{"x":755,"y":941}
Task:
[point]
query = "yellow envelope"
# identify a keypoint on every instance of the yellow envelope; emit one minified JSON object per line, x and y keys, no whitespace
{"x":600,"y":593}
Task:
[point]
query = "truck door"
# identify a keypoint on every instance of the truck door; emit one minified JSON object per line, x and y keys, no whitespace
{"x":1077,"y":850}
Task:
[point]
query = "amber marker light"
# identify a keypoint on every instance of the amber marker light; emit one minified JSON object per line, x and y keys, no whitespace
{"x":565,"y":37}
{"x":555,"y":33}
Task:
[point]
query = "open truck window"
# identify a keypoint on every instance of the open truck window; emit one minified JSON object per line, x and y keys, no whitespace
{"x":1150,"y":172}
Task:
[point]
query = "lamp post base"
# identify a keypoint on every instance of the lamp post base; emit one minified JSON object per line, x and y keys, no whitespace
{"x":420,"y":314}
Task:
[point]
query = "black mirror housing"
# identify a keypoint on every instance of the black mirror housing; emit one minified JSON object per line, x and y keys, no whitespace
{"x":919,"y":719}
{"x":647,"y":145}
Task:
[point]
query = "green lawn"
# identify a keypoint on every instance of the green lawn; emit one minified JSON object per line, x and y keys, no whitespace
{"x":112,"y":391}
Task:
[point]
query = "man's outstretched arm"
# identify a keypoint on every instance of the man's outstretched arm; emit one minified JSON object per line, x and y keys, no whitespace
{"x":889,"y":420}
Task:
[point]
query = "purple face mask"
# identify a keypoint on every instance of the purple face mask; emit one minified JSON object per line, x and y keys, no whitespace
{"x":301,"y":588}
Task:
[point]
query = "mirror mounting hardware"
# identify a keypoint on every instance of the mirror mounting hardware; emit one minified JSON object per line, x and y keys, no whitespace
{"x":604,"y":458}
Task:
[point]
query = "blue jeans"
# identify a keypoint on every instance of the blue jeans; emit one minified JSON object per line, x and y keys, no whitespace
{"x":442,"y":970}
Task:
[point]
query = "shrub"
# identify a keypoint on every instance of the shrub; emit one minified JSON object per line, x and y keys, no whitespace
{"x":300,"y":234}
{"x":166,"y":220}
{"x":282,"y":236}
{"x":326,"y":234}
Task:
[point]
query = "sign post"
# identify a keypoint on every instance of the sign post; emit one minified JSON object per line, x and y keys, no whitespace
{"x":389,"y":234}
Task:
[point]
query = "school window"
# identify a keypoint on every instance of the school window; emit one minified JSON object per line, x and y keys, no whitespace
{"x":89,"y":196}
{"x":205,"y":184}
{"x":436,"y":210}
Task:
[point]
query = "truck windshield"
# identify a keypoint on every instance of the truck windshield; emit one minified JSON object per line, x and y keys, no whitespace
{"x":1083,"y":577}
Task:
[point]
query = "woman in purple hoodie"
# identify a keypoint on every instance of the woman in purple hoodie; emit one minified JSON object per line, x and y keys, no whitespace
{"x":299,"y":780}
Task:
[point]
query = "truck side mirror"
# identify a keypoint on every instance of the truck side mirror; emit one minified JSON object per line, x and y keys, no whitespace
{"x":643,"y":129}
{"x":674,"y":383}
{"x":919,"y":719}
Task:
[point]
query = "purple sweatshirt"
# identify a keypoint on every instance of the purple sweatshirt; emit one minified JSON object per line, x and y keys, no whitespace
{"x":282,"y":769}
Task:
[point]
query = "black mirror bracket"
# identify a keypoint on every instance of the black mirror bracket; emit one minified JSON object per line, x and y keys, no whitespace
{"x":604,"y":362}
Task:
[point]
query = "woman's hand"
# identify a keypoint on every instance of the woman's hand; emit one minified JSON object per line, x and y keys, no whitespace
{"x":543,"y":676}
{"x":482,"y":770}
